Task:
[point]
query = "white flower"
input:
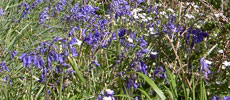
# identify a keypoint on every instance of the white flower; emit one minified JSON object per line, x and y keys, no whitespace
{"x":154,"y":53}
{"x":195,"y":6}
{"x":135,"y":16}
{"x":144,"y":20}
{"x":149,"y":18}
{"x":130,"y":40}
{"x":221,"y":51}
{"x":151,"y":29}
{"x":79,"y":42}
{"x":163,"y":13}
{"x":226,"y":63}
{"x":189,"y":16}
{"x":141,"y":15}
{"x":171,"y":10}
{"x":218,"y":15}
{"x":208,"y":62}
{"x":109,"y":91}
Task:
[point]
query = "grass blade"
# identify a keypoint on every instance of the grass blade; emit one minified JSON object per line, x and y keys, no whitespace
{"x":153,"y":85}
{"x":74,"y":66}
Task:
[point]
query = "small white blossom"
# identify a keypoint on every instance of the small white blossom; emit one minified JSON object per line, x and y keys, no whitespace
{"x":189,"y":16}
{"x":218,"y":15}
{"x":221,"y":51}
{"x":196,"y":6}
{"x":171,"y":10}
{"x":154,"y":53}
{"x":135,"y":16}
{"x":226,"y":63}
{"x":149,"y":18}
{"x":163,"y":13}
{"x":130,"y":40}
{"x":144,"y":20}
{"x":141,"y":15}
{"x":208,"y":62}
{"x":79,"y":42}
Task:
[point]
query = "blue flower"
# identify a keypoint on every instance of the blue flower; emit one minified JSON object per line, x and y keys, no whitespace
{"x":36,"y":2}
{"x":160,"y":72}
{"x":94,"y":62}
{"x":143,"y":43}
{"x":44,"y":15}
{"x":26,"y":10}
{"x":120,"y":8}
{"x":197,"y":36}
{"x":131,"y":82}
{"x":2,"y":12}
{"x":13,"y":54}
{"x":140,"y":53}
{"x":204,"y":68}
{"x":59,"y":6}
{"x":3,"y":66}
{"x":109,"y":92}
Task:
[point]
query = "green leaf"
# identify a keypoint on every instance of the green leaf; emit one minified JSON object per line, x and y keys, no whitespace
{"x":74,"y":66}
{"x":153,"y":85}
{"x":145,"y":93}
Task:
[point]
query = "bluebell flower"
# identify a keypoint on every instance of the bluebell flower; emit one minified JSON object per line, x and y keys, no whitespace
{"x":94,"y":62}
{"x":153,"y":55}
{"x":60,"y":59}
{"x":109,"y":92}
{"x":120,"y":8}
{"x":215,"y":98}
{"x":131,"y":83}
{"x":59,"y":6}
{"x":13,"y":54}
{"x":1,"y":12}
{"x":44,"y":15}
{"x":72,"y":42}
{"x":140,"y":1}
{"x":226,"y":98}
{"x":36,"y":2}
{"x":122,"y":32}
{"x":41,"y":78}
{"x":3,"y":66}
{"x":139,"y":66}
{"x":143,"y":43}
{"x":136,"y":98}
{"x":126,"y":44}
{"x":160,"y":72}
{"x":141,"y":52}
{"x":26,"y":10}
{"x":204,"y":68}
{"x":99,"y":96}
{"x":72,"y":31}
{"x":197,"y":36}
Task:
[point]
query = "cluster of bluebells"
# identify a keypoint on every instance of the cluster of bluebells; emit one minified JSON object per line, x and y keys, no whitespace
{"x":219,"y":98}
{"x":26,"y":10}
{"x":3,"y":67}
{"x":107,"y":95}
{"x":159,"y":72}
{"x":36,"y":2}
{"x":47,"y":53}
{"x":95,"y":33}
{"x":197,"y":36}
{"x":59,"y":6}
{"x":120,"y":8}
{"x":44,"y":15}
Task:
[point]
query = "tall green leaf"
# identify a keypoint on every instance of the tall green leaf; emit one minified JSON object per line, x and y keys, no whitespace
{"x":153,"y":85}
